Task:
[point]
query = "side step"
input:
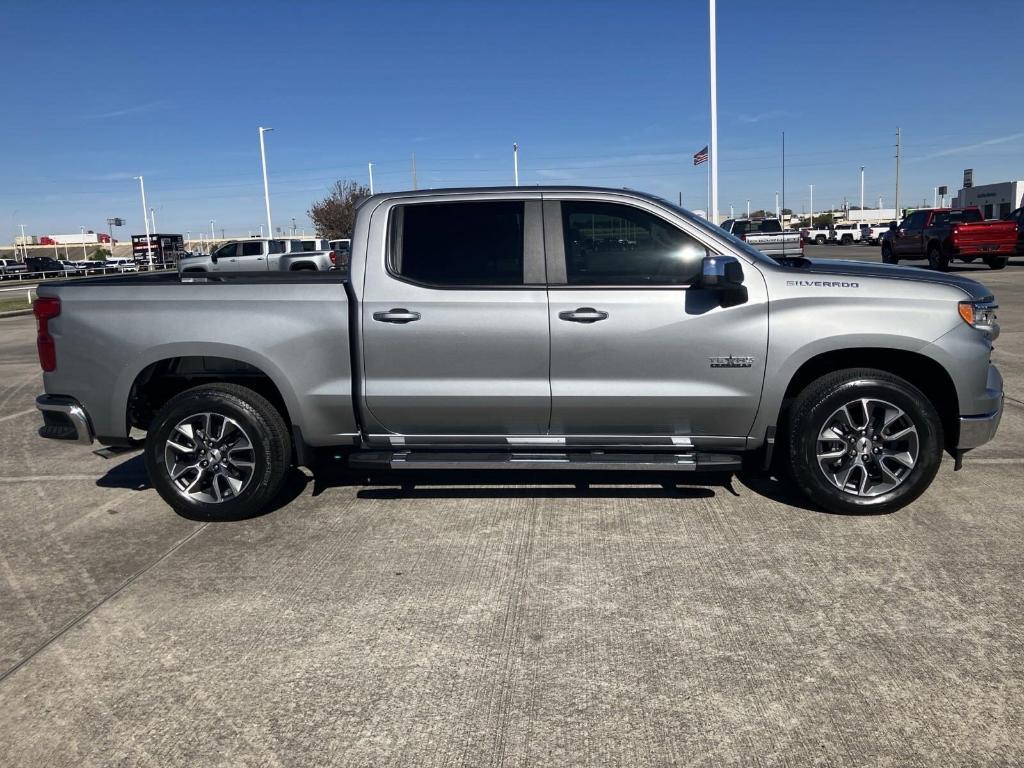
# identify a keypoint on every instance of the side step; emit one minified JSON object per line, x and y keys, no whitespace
{"x":592,"y":460}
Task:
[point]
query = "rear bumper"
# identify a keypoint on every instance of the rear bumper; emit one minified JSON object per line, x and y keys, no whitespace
{"x":64,"y":419}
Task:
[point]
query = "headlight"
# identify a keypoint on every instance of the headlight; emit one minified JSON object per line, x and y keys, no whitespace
{"x":980,"y":315}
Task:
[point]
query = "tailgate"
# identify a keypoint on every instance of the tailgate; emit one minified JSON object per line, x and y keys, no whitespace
{"x":986,"y":233}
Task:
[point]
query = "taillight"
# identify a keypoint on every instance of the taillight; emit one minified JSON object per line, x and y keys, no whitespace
{"x":954,"y":237}
{"x":802,"y":241}
{"x":45,"y":308}
{"x":743,"y":237}
{"x":334,"y":257}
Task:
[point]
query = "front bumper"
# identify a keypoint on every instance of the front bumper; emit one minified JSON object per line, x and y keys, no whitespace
{"x":64,"y":419}
{"x":978,"y":430}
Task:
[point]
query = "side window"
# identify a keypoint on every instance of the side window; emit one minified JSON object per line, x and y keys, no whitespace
{"x":456,"y":244}
{"x":916,"y":220}
{"x":252,"y":248}
{"x":276,"y":246}
{"x":227,"y":251}
{"x":612,"y":244}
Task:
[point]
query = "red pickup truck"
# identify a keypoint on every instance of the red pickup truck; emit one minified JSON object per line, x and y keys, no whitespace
{"x":943,"y":234}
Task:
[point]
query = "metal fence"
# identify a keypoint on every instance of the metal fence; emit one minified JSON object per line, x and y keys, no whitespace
{"x":63,"y":274}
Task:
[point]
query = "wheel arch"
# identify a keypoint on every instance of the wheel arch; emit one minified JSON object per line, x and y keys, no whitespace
{"x":166,"y":371}
{"x":923,"y":372}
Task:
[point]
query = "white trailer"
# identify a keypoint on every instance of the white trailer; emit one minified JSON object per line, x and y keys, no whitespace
{"x":89,"y":238}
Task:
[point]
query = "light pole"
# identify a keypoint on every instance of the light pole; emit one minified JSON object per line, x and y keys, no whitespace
{"x":731,"y":215}
{"x":812,"y":205}
{"x":24,"y":249}
{"x":862,"y":190}
{"x":84,"y":257}
{"x":748,"y":209}
{"x":188,"y":241}
{"x":515,"y":163}
{"x":145,"y":218}
{"x":152,"y":218}
{"x":369,"y":167}
{"x":935,"y":197}
{"x":266,"y":186}
{"x":777,"y":205}
{"x":261,"y":230}
{"x":713,"y":59}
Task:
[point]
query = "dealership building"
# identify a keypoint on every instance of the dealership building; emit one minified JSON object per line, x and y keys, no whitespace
{"x":995,"y":200}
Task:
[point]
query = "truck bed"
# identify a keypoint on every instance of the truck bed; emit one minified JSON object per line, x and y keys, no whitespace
{"x":292,"y":327}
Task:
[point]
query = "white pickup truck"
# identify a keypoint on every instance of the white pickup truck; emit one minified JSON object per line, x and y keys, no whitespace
{"x":767,"y":235}
{"x":260,"y":254}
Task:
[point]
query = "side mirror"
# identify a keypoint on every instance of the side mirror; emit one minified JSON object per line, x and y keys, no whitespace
{"x":213,"y":256}
{"x":724,"y":275}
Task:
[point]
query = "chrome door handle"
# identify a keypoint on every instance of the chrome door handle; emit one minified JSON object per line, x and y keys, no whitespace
{"x":397,"y":315}
{"x":583,"y":315}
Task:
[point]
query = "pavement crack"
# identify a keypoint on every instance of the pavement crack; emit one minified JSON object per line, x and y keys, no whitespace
{"x":89,"y":611}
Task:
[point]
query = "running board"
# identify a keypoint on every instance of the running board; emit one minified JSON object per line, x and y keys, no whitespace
{"x":593,"y":460}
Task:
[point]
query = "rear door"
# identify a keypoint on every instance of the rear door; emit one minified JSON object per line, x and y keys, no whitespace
{"x":636,"y":348}
{"x":455,"y":321}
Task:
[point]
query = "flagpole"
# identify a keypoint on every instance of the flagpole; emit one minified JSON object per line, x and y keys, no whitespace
{"x":713,"y":173}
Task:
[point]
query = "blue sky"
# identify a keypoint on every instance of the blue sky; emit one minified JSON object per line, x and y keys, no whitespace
{"x":610,"y":93}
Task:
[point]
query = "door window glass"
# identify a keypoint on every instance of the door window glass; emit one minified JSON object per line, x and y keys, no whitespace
{"x":455,"y":244}
{"x":613,"y":244}
{"x":226,"y":251}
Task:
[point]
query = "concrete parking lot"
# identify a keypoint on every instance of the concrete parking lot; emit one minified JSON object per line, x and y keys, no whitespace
{"x":530,"y":623}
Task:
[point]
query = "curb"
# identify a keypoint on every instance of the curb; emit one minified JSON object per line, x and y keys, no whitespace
{"x":16,"y":313}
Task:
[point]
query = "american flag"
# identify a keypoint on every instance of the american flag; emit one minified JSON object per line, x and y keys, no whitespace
{"x":701,"y":157}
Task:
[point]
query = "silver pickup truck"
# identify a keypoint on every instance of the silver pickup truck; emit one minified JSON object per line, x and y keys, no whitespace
{"x":767,"y":235}
{"x":257,"y":254}
{"x":541,"y":328}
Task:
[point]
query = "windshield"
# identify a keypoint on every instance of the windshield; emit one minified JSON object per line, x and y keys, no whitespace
{"x":703,"y":223}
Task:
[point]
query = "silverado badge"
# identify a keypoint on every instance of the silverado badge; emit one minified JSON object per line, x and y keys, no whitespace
{"x":732,"y":361}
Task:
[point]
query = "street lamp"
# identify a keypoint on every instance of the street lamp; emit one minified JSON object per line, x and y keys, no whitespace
{"x":862,"y":190}
{"x":145,"y":218}
{"x":111,"y":223}
{"x":266,"y":186}
{"x":84,"y":257}
{"x":812,"y":205}
{"x":213,"y":235}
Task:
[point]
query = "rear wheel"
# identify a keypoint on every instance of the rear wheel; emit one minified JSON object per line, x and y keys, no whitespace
{"x":937,"y":259}
{"x":997,"y":262}
{"x":218,"y":451}
{"x":820,"y":240}
{"x":863,"y":440}
{"x":888,"y":256}
{"x":847,"y":240}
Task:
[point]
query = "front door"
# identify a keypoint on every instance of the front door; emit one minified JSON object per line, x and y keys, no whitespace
{"x":911,"y":239}
{"x":636,"y":348}
{"x":455,"y":320}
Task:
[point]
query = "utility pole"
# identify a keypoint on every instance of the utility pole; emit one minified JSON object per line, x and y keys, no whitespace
{"x":24,"y":249}
{"x":369,"y":167}
{"x":145,"y":219}
{"x":515,"y":163}
{"x":812,"y":205}
{"x":713,"y":59}
{"x":897,"y":203}
{"x":862,"y":190}
{"x":152,"y":216}
{"x":414,"y":170}
{"x":748,"y":209}
{"x":266,"y":186}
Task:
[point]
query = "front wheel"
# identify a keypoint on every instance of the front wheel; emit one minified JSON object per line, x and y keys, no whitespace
{"x":888,"y":256}
{"x":820,"y":240}
{"x":997,"y":262}
{"x":218,"y":451}
{"x":864,"y":441}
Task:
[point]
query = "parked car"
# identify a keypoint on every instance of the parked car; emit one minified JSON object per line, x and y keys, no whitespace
{"x":1017,"y":217}
{"x":943,"y":234}
{"x":343,"y":251}
{"x":259,"y":255}
{"x":122,"y":265}
{"x":43,"y":264}
{"x":11,"y":267}
{"x":71,"y":267}
{"x":846,"y":234}
{"x":521,"y":345}
{"x":872,"y":233}
{"x":819,"y":235}
{"x":767,"y":235}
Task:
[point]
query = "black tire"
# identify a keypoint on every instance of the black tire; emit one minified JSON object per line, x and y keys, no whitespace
{"x":261,"y":423}
{"x":888,"y":257}
{"x":811,"y":411}
{"x":997,"y":262}
{"x":846,"y":240}
{"x":820,"y":240}
{"x":937,"y":259}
